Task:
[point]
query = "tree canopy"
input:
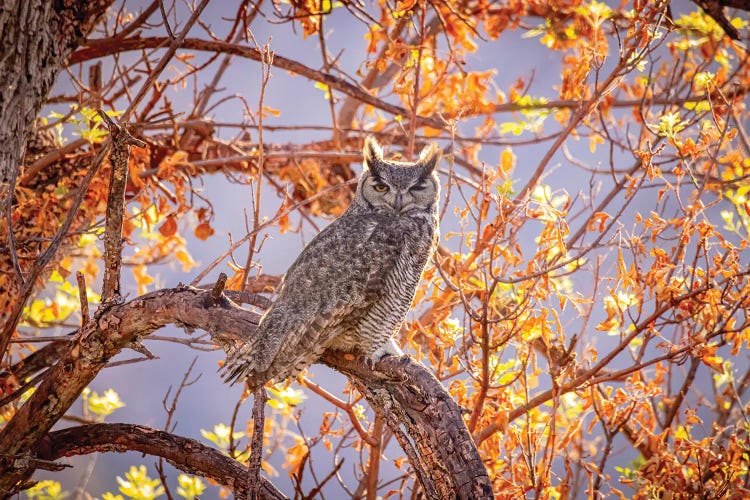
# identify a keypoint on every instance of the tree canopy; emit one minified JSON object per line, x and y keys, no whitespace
{"x":582,"y":330}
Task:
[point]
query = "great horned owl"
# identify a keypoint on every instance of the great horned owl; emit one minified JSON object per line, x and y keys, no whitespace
{"x":352,"y":285}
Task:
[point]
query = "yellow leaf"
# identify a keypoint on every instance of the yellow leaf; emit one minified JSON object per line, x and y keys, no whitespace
{"x":682,"y":432}
{"x":184,"y":258}
{"x":325,"y":88}
{"x":507,"y":161}
{"x":714,"y":362}
{"x":595,"y":139}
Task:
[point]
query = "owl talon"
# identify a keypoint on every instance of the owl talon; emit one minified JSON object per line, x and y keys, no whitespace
{"x":390,"y":348}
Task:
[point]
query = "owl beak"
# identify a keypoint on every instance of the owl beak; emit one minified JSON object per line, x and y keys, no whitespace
{"x":398,"y":203}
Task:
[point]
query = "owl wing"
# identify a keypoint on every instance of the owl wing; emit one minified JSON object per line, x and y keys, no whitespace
{"x":340,"y":273}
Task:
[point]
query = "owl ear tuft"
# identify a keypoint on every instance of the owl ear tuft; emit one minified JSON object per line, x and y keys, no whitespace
{"x":372,"y":152}
{"x":430,"y":156}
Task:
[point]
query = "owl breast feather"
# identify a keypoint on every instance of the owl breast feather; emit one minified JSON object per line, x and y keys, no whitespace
{"x":404,"y":246}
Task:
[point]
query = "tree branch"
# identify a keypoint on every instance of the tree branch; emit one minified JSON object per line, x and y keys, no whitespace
{"x":106,"y":47}
{"x":404,"y":390}
{"x":256,"y":443}
{"x":186,"y":454}
{"x":118,"y":158}
{"x":90,"y":350}
{"x":429,"y":414}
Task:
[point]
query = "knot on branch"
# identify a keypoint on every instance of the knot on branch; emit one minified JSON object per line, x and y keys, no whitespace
{"x":121,"y":138}
{"x":217,"y":291}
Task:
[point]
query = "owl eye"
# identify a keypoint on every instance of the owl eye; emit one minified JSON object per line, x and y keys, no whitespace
{"x":380,"y":188}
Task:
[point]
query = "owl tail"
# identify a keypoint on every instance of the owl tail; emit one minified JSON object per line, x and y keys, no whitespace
{"x":241,"y":366}
{"x":234,"y":372}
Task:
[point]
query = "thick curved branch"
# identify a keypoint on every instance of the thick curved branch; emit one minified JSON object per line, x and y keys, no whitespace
{"x":186,"y":454}
{"x":438,"y":442}
{"x":93,"y":346}
{"x":415,"y":399}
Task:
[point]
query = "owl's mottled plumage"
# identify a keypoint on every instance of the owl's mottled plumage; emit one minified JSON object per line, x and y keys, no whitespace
{"x":352,"y":285}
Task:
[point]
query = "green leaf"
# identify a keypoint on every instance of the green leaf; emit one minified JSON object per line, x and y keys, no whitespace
{"x":670,"y":124}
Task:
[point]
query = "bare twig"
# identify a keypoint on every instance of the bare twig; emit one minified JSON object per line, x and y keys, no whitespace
{"x":83,"y":296}
{"x":168,"y":425}
{"x":164,"y":19}
{"x":417,"y":74}
{"x":140,"y":20}
{"x":347,"y":408}
{"x":121,"y":142}
{"x":313,"y":493}
{"x":373,"y":469}
{"x":256,"y":446}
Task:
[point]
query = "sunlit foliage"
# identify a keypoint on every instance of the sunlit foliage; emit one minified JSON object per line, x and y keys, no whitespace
{"x":590,"y":301}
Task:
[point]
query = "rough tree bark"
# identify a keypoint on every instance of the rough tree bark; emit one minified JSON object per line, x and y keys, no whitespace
{"x":185,"y":454}
{"x":36,"y":40}
{"x":38,"y":36}
{"x":443,"y":450}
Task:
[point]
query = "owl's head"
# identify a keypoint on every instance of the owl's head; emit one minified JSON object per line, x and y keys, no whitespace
{"x":399,"y":187}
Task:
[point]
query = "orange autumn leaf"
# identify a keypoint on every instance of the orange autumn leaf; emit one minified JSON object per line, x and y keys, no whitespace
{"x":142,"y":278}
{"x":169,"y":226}
{"x":595,"y":139}
{"x":203,"y":231}
{"x":598,"y":221}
